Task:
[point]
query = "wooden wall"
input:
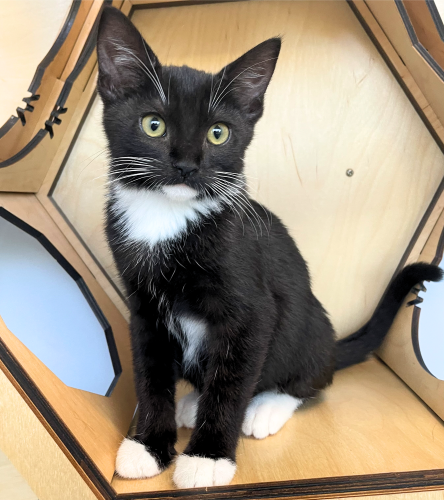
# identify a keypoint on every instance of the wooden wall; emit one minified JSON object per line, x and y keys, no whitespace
{"x":28,"y":28}
{"x":332,"y":105}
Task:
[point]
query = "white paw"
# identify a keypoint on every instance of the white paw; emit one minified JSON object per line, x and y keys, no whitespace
{"x":267,"y":413}
{"x":193,"y":472}
{"x":134,"y":461}
{"x":186,"y":410}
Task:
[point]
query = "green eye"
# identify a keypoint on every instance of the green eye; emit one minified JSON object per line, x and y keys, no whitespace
{"x":153,"y":125}
{"x":218,"y":133}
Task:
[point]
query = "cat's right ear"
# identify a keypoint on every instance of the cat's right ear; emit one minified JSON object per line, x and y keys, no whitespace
{"x":125,"y":60}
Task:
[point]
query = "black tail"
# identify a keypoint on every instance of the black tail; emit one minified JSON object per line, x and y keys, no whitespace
{"x":357,"y":346}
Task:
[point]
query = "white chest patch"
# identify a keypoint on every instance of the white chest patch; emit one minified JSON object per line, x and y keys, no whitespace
{"x":154,"y":217}
{"x":193,"y":337}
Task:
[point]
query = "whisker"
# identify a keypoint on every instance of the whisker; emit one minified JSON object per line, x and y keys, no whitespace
{"x":142,"y":65}
{"x":220,"y":83}
{"x":243,"y":205}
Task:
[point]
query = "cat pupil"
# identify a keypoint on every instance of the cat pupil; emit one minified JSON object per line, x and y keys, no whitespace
{"x":217,"y":132}
{"x":154,"y":124}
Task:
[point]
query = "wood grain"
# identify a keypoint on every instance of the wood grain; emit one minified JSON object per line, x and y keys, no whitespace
{"x":423,"y":495}
{"x":91,"y":418}
{"x":93,"y":166}
{"x":398,"y":65}
{"x":397,"y":350}
{"x":387,"y":15}
{"x":12,"y":484}
{"x":33,"y":451}
{"x":425,"y":29}
{"x":332,"y":105}
{"x":367,"y":422}
{"x":19,"y":136}
{"x":28,"y":29}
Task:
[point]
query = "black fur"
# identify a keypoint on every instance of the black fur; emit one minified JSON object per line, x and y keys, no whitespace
{"x":266,"y":329}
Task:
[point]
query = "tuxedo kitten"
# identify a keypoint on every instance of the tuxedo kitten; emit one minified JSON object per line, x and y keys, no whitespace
{"x":218,"y":292}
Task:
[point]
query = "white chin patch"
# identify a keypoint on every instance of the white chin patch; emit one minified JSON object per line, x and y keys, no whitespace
{"x":134,"y":461}
{"x":195,"y":472}
{"x":180,"y":192}
{"x":154,"y":217}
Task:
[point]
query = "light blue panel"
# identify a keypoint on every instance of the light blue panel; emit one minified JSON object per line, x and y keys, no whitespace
{"x":43,"y":306}
{"x":431,"y":329}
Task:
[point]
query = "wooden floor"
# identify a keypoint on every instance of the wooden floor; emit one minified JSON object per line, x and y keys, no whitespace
{"x":367,"y":422}
{"x":12,"y":484}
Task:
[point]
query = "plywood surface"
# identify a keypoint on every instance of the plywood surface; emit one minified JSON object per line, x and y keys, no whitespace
{"x":28,"y":28}
{"x":398,"y":351}
{"x":429,"y":82}
{"x":92,"y":419}
{"x":34,"y":453}
{"x":84,"y":174}
{"x":12,"y":484}
{"x":332,"y":105}
{"x":366,"y":423}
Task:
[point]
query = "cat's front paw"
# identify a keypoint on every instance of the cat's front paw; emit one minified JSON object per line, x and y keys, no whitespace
{"x":267,"y":413}
{"x":194,"y":472}
{"x":134,"y":461}
{"x":186,"y":410}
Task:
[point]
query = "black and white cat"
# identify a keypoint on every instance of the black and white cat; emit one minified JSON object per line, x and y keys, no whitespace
{"x":217,"y":290}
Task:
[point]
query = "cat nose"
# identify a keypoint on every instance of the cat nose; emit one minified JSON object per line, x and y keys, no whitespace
{"x":186,"y":169}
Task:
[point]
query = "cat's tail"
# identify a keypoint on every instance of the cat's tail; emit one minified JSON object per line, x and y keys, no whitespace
{"x":357,"y":346}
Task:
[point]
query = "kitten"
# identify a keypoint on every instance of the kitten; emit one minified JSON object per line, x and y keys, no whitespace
{"x":217,"y":289}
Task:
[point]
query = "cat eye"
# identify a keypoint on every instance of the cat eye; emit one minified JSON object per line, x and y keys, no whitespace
{"x":153,"y":125}
{"x":218,"y":133}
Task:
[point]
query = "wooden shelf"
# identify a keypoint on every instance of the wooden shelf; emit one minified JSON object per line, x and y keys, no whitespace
{"x":368,"y":422}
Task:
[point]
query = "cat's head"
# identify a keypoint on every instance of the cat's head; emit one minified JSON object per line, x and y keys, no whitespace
{"x":173,"y":129}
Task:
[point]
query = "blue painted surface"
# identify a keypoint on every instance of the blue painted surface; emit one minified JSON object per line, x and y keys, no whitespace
{"x":43,"y":306}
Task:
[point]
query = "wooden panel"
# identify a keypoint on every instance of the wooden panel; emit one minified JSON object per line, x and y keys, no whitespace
{"x":425,"y":29}
{"x":34,"y":452}
{"x":332,"y":105}
{"x":428,"y":81}
{"x":423,"y":495}
{"x":398,"y":65}
{"x":367,"y":422}
{"x":85,"y":173}
{"x":17,"y":138}
{"x":91,"y":418}
{"x":397,"y":350}
{"x":28,"y":29}
{"x":90,"y":167}
{"x":27,"y":174}
{"x":12,"y":484}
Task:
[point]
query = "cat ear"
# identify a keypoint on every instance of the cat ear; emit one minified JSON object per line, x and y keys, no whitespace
{"x":125,"y":59}
{"x":247,"y":78}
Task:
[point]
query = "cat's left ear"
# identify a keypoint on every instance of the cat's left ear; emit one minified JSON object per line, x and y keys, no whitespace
{"x":247,"y":78}
{"x":126,"y":62}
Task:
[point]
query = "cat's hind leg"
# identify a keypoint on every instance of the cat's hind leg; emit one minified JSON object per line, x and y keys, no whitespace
{"x":267,"y":413}
{"x":186,"y":410}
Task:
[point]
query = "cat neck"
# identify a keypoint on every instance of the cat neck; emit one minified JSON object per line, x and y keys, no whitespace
{"x":152,"y":218}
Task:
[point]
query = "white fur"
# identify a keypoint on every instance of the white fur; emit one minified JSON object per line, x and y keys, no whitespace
{"x":267,"y":413}
{"x":186,"y":410}
{"x":194,"y":330}
{"x":154,"y":217}
{"x":179,"y":192}
{"x":195,"y":472}
{"x":134,"y":461}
